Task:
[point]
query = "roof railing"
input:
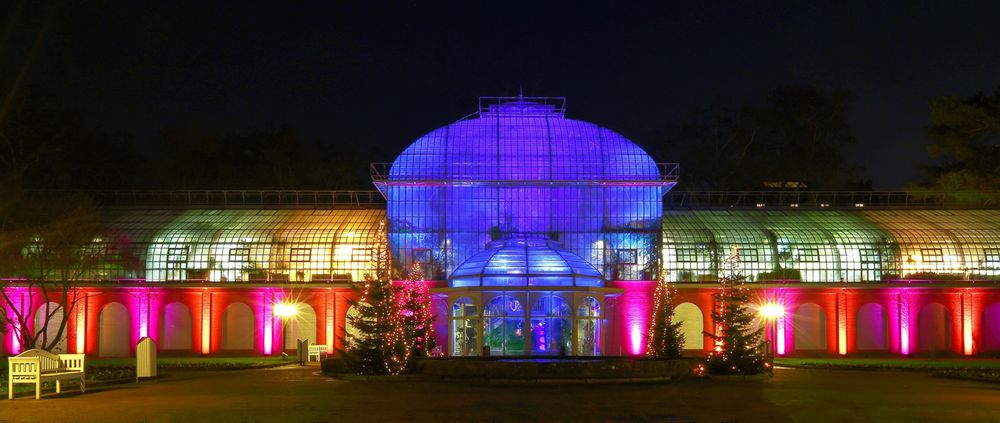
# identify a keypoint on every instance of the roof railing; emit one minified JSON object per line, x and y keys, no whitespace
{"x":856,"y":200}
{"x":669,"y":172}
{"x":761,"y":200}
{"x":379,"y":172}
{"x":237,"y":198}
{"x":522,"y":106}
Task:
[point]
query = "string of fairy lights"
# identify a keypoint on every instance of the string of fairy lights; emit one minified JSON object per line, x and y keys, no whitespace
{"x":400,"y":314}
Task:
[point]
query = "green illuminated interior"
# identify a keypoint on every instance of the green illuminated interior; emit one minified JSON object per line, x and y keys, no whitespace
{"x":834,"y":246}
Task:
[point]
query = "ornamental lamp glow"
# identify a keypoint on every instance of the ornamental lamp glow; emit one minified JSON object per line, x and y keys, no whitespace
{"x":771,"y":311}
{"x":286,"y":310}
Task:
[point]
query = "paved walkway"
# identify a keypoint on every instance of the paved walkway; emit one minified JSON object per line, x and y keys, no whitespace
{"x":302,"y":394}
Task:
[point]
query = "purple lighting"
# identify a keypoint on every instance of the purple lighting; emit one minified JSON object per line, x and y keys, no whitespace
{"x":521,"y":168}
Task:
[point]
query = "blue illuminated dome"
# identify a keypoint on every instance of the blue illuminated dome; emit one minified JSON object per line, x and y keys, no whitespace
{"x":525,"y":262}
{"x":523,"y":141}
{"x":520,"y":168}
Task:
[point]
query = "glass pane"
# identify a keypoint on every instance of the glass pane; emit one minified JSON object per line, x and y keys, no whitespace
{"x":465,"y":343}
{"x":588,"y":337}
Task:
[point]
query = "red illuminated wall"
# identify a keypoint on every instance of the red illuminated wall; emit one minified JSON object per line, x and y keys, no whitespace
{"x":964,"y":319}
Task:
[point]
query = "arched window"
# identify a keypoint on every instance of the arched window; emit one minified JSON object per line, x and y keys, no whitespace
{"x":351,"y":333}
{"x":50,"y":315}
{"x":551,"y":332}
{"x":176,"y":328}
{"x":237,"y":327}
{"x":871,"y":327}
{"x":503,"y":326}
{"x":464,"y":321}
{"x":114,"y":331}
{"x":301,"y":326}
{"x":588,"y":327}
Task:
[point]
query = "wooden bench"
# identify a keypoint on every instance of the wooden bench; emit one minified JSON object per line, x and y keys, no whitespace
{"x":38,"y":366}
{"x":316,"y":351}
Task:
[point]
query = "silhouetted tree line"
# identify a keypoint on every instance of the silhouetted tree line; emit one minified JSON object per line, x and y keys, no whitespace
{"x":796,"y":139}
{"x":965,"y":139}
{"x":45,"y":144}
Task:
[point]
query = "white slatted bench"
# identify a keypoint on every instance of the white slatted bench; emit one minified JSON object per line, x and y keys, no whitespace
{"x":316,"y":351}
{"x":38,"y":366}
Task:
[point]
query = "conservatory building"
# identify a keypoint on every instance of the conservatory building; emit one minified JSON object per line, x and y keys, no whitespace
{"x":526,"y":213}
{"x":538,"y":234}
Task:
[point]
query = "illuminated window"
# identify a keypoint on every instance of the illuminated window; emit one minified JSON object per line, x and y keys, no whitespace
{"x":239,"y":255}
{"x":361,"y":254}
{"x":300,"y":255}
{"x":628,"y":256}
{"x":932,"y":255}
{"x":748,"y":255}
{"x":177,"y":255}
{"x":422,"y":255}
{"x":992,"y":255}
{"x":687,"y":255}
{"x":809,"y":255}
{"x":870,"y":255}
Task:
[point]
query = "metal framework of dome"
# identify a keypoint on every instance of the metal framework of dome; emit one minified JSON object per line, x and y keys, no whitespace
{"x":525,"y":262}
{"x":524,"y":139}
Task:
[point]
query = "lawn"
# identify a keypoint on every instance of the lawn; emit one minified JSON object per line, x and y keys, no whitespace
{"x":207,"y":363}
{"x":116,"y":369}
{"x":892,"y":363}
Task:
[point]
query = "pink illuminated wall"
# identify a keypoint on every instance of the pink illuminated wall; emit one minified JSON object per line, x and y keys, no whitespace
{"x":634,"y":309}
{"x":858,"y":321}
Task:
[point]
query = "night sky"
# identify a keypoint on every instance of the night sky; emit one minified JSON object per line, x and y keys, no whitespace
{"x":365,"y":74}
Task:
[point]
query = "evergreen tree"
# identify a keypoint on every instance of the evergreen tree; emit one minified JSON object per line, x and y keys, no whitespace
{"x":379,"y":347}
{"x":738,"y":346}
{"x":418,"y":320}
{"x":665,"y":339}
{"x":963,"y":135}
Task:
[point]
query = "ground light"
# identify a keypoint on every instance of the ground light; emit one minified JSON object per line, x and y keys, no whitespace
{"x":285,"y":312}
{"x":771,"y":312}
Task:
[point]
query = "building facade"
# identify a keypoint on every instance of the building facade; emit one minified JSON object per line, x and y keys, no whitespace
{"x":539,"y":235}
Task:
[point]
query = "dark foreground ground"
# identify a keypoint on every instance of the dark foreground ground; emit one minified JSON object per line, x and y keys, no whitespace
{"x":303,"y":394}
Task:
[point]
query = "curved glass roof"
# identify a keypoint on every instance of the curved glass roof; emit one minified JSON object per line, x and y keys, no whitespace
{"x":523,"y":141}
{"x":525,"y":262}
{"x":834,"y":246}
{"x":242,"y":245}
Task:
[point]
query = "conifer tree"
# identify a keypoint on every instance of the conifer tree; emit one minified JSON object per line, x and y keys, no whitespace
{"x":418,"y":319}
{"x":665,"y":339}
{"x":379,"y":346}
{"x":738,"y":346}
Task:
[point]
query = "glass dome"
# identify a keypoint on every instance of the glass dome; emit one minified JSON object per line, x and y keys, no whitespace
{"x":524,"y":141}
{"x":525,"y":262}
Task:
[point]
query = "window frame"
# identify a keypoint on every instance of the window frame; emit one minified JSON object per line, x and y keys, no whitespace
{"x":295,"y":255}
{"x":690,"y":255}
{"x":932,"y":255}
{"x":172,"y":252}
{"x":991,"y":255}
{"x":869,"y":255}
{"x":361,"y":255}
{"x":235,"y":257}
{"x":807,"y":255}
{"x":632,"y":251}
{"x":414,"y":256}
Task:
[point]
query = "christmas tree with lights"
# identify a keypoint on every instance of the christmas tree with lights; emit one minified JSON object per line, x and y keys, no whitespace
{"x":738,"y":346}
{"x":416,"y":313}
{"x":665,"y":339}
{"x":380,"y":345}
